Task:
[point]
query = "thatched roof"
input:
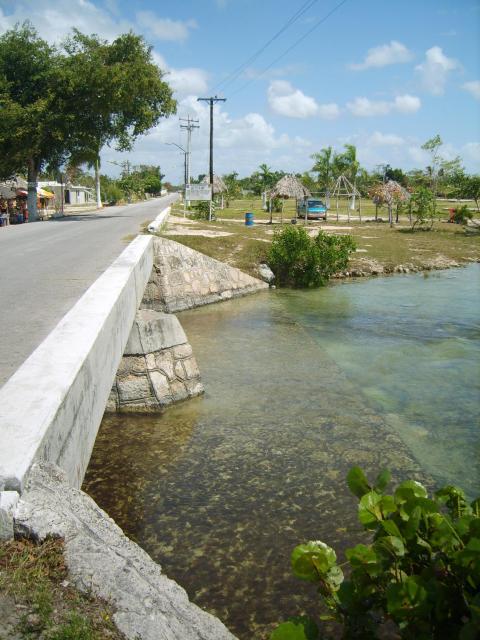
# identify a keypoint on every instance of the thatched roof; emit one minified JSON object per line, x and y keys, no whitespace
{"x":389,"y":193}
{"x":219,"y":185}
{"x":289,"y":187}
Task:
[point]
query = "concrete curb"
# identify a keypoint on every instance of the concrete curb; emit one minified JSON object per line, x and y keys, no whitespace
{"x":52,"y":406}
{"x":159,"y":221}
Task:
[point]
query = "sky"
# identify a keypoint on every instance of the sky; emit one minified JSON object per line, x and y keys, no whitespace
{"x":297,"y":76}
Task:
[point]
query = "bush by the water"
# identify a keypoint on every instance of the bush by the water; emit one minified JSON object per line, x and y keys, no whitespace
{"x":419,"y":578}
{"x":300,"y":261}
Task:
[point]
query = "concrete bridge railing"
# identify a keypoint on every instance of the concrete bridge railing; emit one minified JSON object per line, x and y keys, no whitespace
{"x":51,"y":408}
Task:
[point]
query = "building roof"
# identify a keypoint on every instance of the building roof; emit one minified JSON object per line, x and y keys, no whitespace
{"x":290,"y":187}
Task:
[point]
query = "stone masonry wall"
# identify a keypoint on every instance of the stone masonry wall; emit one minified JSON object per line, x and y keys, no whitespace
{"x":158,"y":366}
{"x":183,"y":278}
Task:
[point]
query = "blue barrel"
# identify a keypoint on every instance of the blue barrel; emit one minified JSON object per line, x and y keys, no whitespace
{"x":249,"y":219}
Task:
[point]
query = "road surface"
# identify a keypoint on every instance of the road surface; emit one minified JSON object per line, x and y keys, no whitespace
{"x":45,"y":267}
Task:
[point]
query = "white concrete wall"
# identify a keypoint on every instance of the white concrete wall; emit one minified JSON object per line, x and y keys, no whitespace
{"x":51,"y":408}
{"x":159,"y":221}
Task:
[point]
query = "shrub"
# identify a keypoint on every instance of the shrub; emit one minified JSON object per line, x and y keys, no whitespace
{"x":422,"y":208}
{"x":300,"y":261}
{"x":201,"y":210}
{"x":419,"y":578}
{"x":461,"y":215}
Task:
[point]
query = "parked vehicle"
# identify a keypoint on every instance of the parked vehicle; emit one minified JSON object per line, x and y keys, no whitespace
{"x":316,"y":209}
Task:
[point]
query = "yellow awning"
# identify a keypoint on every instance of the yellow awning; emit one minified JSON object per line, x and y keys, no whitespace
{"x":44,"y":194}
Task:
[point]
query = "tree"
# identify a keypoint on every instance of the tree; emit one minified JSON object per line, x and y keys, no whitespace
{"x":69,"y":103}
{"x":422,"y":208}
{"x":469,"y":187}
{"x":33,"y":131}
{"x":233,"y":186}
{"x":324,"y":169}
{"x":117,"y":90}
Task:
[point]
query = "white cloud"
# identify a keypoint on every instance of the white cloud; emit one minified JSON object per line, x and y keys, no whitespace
{"x":386,"y":54}
{"x":287,"y":101}
{"x":434,"y":70}
{"x":188,"y":81}
{"x":471,"y":153}
{"x":378,"y":139}
{"x":365,"y":108}
{"x":407,"y":103}
{"x":328,"y":111}
{"x":165,"y":28}
{"x":473,"y":87}
{"x":54,"y":21}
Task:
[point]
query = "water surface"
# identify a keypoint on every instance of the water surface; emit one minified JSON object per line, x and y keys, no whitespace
{"x":300,"y":385}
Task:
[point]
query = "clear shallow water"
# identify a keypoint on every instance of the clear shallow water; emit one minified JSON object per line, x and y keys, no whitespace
{"x":300,"y":386}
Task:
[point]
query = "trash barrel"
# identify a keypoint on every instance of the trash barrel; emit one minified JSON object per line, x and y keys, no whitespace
{"x":249,"y":219}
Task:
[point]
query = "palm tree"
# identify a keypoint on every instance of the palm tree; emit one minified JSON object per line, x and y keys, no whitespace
{"x":324,"y":169}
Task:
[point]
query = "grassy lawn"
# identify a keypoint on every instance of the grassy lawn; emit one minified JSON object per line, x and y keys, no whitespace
{"x":38,"y":601}
{"x":376,"y":242}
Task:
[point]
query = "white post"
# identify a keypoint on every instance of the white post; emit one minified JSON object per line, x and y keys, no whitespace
{"x":97,"y":183}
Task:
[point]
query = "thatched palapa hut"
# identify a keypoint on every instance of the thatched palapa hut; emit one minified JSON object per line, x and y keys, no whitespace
{"x":219,"y":186}
{"x":287,"y":187}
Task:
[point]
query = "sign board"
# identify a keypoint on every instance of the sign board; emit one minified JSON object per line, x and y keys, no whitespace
{"x":198,"y":192}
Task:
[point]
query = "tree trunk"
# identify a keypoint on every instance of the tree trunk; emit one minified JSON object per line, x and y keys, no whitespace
{"x":32,"y":178}
{"x":97,"y":183}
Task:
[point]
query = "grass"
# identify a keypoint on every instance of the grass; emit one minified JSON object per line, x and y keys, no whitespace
{"x":376,"y":242}
{"x":34,"y":587}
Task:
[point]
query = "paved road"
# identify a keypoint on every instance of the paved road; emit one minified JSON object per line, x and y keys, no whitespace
{"x":46,"y":266}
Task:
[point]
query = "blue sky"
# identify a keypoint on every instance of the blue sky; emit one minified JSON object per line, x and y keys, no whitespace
{"x":384,"y":76}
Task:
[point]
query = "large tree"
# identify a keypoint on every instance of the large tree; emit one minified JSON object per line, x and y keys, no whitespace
{"x":323,"y":167}
{"x":116,"y":90}
{"x":71,"y":102}
{"x":33,"y":133}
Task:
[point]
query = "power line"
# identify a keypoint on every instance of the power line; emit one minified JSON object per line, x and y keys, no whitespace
{"x":295,"y":44}
{"x":236,"y":72}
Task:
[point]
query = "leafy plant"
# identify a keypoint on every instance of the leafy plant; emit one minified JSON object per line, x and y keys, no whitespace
{"x":461,"y":215}
{"x":201,"y":210}
{"x":300,"y":261}
{"x":419,"y":577}
{"x":422,"y":208}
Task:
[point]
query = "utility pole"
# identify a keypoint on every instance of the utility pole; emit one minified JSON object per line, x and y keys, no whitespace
{"x":212,"y":100}
{"x":190,"y":126}
{"x":185,"y":153}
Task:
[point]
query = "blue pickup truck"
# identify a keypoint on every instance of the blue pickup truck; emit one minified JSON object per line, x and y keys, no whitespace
{"x":316,"y":209}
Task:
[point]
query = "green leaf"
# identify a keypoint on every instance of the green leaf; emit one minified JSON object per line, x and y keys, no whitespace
{"x":391,"y":528}
{"x":312,"y":560}
{"x":297,"y":628}
{"x":369,"y":512}
{"x":373,"y":508}
{"x":409,"y":489}
{"x":475,"y":505}
{"x":382,"y":480}
{"x":392,"y":544}
{"x":334,"y":577}
{"x":357,"y":482}
{"x":363,"y":557}
{"x":406,"y":598}
{"x":413,"y":523}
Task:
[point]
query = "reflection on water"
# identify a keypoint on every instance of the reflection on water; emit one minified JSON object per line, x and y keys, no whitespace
{"x":299,"y":387}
